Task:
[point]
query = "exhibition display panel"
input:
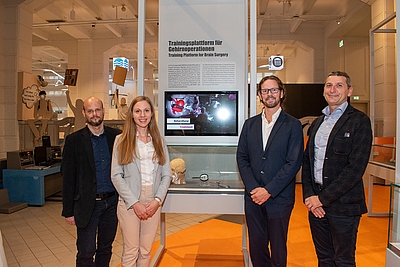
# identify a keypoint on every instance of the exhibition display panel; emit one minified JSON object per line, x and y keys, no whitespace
{"x":203,"y":103}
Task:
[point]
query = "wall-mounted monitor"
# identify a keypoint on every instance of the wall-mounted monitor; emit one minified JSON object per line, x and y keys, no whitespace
{"x":201,"y":117}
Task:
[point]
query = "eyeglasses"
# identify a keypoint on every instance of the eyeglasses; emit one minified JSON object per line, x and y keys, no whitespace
{"x":269,"y":90}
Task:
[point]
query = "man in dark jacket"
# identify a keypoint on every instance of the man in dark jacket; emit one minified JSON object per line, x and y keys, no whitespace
{"x":334,"y":162}
{"x":89,"y":198}
{"x":269,"y":155}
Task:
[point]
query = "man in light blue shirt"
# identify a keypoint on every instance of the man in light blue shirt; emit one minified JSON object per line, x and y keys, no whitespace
{"x":321,"y":138}
{"x":336,"y":156}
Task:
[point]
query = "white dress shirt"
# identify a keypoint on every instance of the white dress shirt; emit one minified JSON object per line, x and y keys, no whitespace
{"x":267,"y":127}
{"x":146,"y":152}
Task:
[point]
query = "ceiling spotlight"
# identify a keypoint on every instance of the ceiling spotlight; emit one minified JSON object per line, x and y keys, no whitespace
{"x":57,"y":28}
{"x":338,"y":22}
{"x":59,"y":65}
{"x":123,"y":8}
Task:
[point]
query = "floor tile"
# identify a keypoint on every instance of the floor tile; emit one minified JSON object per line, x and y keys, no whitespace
{"x":39,"y":236}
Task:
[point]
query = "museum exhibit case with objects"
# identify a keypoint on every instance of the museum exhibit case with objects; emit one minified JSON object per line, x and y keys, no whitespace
{"x":212,"y":185}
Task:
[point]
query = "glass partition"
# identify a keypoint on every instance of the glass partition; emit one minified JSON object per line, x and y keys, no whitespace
{"x":394,"y":220}
{"x":218,"y":162}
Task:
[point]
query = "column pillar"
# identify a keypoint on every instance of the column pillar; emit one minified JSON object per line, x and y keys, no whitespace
{"x":384,"y":71}
{"x":15,"y":56}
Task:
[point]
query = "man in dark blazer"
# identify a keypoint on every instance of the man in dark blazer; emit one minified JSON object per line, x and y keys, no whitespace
{"x":89,"y":198}
{"x":335,"y":159}
{"x":269,"y":155}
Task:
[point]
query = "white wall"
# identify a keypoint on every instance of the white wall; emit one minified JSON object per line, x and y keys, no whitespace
{"x":384,"y":71}
{"x":299,"y":67}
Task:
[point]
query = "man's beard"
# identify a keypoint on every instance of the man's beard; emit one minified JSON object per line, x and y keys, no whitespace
{"x":95,"y":123}
{"x":268,"y":104}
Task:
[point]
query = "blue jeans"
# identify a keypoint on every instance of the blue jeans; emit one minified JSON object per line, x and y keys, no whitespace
{"x":103,"y":223}
{"x":334,"y":239}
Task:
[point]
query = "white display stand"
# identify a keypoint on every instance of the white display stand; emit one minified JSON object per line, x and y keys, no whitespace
{"x":392,"y":260}
{"x":212,"y":199}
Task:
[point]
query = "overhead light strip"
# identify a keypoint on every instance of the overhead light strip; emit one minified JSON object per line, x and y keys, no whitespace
{"x":91,"y":22}
{"x":59,"y":75}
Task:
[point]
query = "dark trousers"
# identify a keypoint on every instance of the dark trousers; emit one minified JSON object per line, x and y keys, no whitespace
{"x":267,"y":226}
{"x":334,"y":239}
{"x":103,"y":223}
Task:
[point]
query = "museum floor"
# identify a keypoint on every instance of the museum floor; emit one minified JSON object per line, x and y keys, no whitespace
{"x":39,"y":236}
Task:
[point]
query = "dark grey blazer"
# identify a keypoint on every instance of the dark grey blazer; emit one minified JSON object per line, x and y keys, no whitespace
{"x":346,"y":158}
{"x":274,"y":167}
{"x":79,"y":174}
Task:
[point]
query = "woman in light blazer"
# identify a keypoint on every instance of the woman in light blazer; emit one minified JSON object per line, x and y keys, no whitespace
{"x":141,"y":175}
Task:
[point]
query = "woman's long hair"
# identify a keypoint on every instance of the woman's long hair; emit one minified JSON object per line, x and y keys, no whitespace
{"x":127,"y":143}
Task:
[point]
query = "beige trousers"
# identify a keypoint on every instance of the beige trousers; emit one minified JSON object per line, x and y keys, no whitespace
{"x":138,"y":235}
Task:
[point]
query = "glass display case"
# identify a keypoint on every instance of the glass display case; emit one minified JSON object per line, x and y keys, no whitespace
{"x":394,"y":220}
{"x":211,"y":181}
{"x":384,"y":155}
{"x":217,"y":162}
{"x":381,"y":169}
{"x":211,"y":185}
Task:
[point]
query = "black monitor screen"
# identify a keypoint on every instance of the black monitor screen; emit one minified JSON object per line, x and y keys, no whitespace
{"x":204,"y":113}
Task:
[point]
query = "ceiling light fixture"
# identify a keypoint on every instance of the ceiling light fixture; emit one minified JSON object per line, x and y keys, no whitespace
{"x":338,"y":22}
{"x":57,"y":28}
{"x":123,"y":8}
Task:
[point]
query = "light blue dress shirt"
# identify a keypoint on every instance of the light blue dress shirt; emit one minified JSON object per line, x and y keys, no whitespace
{"x":322,"y":136}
